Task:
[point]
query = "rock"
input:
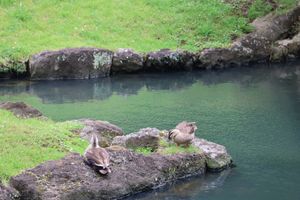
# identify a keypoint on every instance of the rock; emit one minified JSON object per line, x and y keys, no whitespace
{"x":76,"y":63}
{"x":20,"y":109}
{"x":167,"y":60}
{"x":103,"y":129}
{"x":8,"y":193}
{"x":284,"y":49}
{"x":146,"y":137}
{"x":127,"y":61}
{"x":253,"y":47}
{"x":221,"y":57}
{"x":69,"y":178}
{"x":217,"y":157}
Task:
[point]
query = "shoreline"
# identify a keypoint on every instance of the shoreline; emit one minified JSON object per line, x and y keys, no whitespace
{"x":70,"y":178}
{"x":276,"y":38}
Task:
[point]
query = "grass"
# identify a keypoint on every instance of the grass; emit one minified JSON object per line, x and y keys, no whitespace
{"x":25,"y":143}
{"x":144,"y":150}
{"x":174,"y":149}
{"x":260,"y":8}
{"x":28,"y":27}
{"x":171,"y":148}
{"x":166,"y":148}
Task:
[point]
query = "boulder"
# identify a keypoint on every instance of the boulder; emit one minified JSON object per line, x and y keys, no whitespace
{"x":146,"y":137}
{"x":20,"y":109}
{"x":127,"y":61}
{"x":103,"y":129}
{"x":286,"y":49}
{"x":70,"y":178}
{"x":74,"y":63}
{"x":167,"y":60}
{"x":253,"y":47}
{"x":216,"y":155}
{"x":7,"y":193}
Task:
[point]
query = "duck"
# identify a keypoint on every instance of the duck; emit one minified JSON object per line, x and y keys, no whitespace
{"x":97,"y":157}
{"x":183,"y":134}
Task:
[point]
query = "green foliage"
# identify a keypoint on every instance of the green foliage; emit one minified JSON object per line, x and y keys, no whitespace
{"x":258,"y":8}
{"x":28,"y":27}
{"x":5,"y":3}
{"x":25,"y":143}
{"x":144,"y":150}
{"x":285,"y":5}
{"x":167,"y":148}
{"x":174,"y":149}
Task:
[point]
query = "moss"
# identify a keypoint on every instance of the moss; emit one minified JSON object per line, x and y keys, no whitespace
{"x":174,"y":149}
{"x":144,"y":150}
{"x":101,"y":59}
{"x":167,"y":148}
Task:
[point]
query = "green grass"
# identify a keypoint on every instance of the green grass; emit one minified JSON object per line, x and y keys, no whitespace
{"x":258,"y":8}
{"x":28,"y":27}
{"x":167,"y":148}
{"x":174,"y":149}
{"x":144,"y":150}
{"x":25,"y":143}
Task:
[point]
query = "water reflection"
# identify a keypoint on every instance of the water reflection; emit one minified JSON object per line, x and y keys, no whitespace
{"x":100,"y":89}
{"x":188,"y":188}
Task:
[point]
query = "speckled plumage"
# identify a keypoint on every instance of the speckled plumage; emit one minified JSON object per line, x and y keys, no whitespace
{"x":184,"y":133}
{"x":97,"y":157}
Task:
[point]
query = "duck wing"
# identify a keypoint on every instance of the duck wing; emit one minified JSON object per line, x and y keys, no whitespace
{"x":97,"y":157}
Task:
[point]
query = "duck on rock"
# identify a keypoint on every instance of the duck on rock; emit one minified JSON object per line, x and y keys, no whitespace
{"x":183,"y":134}
{"x":97,"y":157}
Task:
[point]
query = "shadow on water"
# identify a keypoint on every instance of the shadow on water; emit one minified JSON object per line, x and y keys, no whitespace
{"x":62,"y":91}
{"x":188,"y":188}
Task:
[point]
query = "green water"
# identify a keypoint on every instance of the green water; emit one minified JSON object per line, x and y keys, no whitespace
{"x":254,"y":112}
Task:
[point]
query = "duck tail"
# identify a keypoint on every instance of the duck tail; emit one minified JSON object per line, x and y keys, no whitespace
{"x":170,"y":134}
{"x":94,"y":141}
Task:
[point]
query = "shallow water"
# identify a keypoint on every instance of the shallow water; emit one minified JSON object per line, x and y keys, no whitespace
{"x":254,"y":112}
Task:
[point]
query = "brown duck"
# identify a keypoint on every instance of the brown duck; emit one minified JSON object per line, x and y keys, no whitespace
{"x":97,"y":157}
{"x":184,"y":133}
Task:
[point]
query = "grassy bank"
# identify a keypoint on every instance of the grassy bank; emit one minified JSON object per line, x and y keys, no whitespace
{"x":25,"y":143}
{"x":28,"y":27}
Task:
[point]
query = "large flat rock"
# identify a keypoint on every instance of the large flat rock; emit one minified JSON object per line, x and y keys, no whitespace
{"x":74,"y":63}
{"x":70,"y":178}
{"x":217,"y":157}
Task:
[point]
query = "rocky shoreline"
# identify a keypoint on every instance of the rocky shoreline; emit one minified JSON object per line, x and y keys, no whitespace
{"x":276,"y":38}
{"x":132,"y":172}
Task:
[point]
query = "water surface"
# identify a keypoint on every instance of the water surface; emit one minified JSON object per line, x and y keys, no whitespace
{"x":254,"y":112}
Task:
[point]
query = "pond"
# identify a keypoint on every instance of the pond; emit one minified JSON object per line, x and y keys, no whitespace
{"x":253,"y":111}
